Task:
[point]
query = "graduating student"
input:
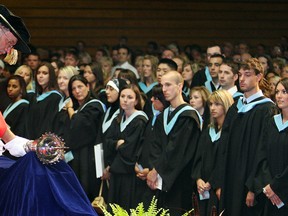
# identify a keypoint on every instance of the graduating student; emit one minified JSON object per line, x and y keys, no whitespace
{"x":228,"y":75}
{"x":26,"y":72}
{"x":165,"y":65}
{"x":204,"y":75}
{"x":178,"y":130}
{"x":198,"y":100}
{"x":16,"y":113}
{"x":240,"y":142}
{"x":219,"y":103}
{"x":188,"y":74}
{"x":214,"y":66}
{"x":275,"y":153}
{"x":148,"y":152}
{"x":109,"y":129}
{"x":44,"y":106}
{"x":94,"y":74}
{"x":85,"y":113}
{"x":148,"y":81}
{"x":148,"y":76}
{"x":61,"y":122}
{"x":130,"y":78}
{"x":131,"y":127}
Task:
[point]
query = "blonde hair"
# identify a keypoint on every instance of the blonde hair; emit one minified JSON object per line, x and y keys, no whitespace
{"x":29,"y":86}
{"x":69,"y":71}
{"x":222,"y":97}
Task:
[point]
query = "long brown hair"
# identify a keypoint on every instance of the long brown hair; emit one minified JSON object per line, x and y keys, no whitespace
{"x":136,"y":90}
{"x":52,"y":84}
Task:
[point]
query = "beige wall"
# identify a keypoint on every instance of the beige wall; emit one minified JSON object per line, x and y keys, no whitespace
{"x":60,"y":23}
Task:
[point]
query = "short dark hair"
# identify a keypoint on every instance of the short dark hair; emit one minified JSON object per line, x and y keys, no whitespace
{"x":124,"y":47}
{"x":158,"y":93}
{"x":34,"y":54}
{"x":234,"y":66}
{"x":169,"y":62}
{"x":73,"y":52}
{"x":217,"y":56}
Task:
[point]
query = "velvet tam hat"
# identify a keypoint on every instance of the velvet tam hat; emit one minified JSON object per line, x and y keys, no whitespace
{"x":17,"y":27}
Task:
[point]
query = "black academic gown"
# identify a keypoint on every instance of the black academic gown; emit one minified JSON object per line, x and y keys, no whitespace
{"x":175,"y":161}
{"x":211,"y":87}
{"x":275,"y":170}
{"x":61,"y":122}
{"x":42,"y":112}
{"x":204,"y":166}
{"x":16,"y":119}
{"x":206,"y":117}
{"x":144,"y":158}
{"x":84,"y":132}
{"x":147,"y":91}
{"x":123,"y":178}
{"x":4,"y":99}
{"x":199,"y":78}
{"x":109,"y":139}
{"x":240,"y":142}
{"x":109,"y":133}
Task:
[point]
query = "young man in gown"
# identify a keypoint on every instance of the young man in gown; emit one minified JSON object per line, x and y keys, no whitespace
{"x":240,"y":141}
{"x":178,"y":129}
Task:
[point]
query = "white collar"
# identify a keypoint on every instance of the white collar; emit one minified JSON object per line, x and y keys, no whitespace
{"x":253,"y":97}
{"x":233,"y":90}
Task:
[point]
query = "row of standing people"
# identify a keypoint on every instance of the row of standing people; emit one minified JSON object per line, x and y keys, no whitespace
{"x":244,"y":170}
{"x":71,"y":111}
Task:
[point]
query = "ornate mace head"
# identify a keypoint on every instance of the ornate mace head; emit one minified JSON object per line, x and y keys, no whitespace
{"x":49,"y":148}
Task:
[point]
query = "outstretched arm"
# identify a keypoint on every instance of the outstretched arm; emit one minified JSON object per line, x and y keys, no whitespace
{"x":14,"y":144}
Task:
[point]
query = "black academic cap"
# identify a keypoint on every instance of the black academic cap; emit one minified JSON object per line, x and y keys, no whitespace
{"x":17,"y":27}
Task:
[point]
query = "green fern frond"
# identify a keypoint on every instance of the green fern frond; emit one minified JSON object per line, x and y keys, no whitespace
{"x":187,"y":213}
{"x":165,"y":212}
{"x":118,"y":210}
{"x":105,"y":212}
{"x":139,"y":211}
{"x":152,"y":210}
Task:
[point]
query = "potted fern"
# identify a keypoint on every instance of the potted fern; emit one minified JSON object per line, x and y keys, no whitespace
{"x":140,"y":210}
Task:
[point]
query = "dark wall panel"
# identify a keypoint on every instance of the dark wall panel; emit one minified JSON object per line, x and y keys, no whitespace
{"x":61,"y":23}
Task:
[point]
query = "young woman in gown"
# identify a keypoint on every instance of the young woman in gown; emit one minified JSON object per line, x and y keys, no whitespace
{"x":44,"y":106}
{"x":219,"y":103}
{"x":16,"y":112}
{"x":275,"y":173}
{"x":132,"y":122}
{"x":198,"y":100}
